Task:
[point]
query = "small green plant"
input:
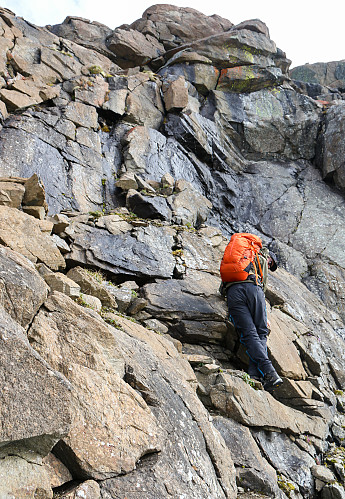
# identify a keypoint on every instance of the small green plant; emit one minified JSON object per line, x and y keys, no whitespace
{"x":96,"y":214}
{"x":131,"y":214}
{"x":96,"y":70}
{"x":247,"y":379}
{"x":82,"y":302}
{"x":134,"y":293}
{"x":284,"y":485}
{"x":97,"y":275}
{"x":338,"y":392}
{"x":113,"y":323}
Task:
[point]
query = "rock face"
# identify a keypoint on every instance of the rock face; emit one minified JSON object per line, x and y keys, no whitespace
{"x":128,"y":157}
{"x":329,"y":74}
{"x":331,"y":147}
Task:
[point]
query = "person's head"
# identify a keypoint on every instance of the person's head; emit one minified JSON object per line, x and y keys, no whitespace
{"x":272,"y":261}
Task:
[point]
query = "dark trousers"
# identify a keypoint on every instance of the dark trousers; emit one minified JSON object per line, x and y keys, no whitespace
{"x":247,"y":310}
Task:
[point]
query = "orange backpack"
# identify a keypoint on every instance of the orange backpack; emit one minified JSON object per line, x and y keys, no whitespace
{"x":239,"y":253}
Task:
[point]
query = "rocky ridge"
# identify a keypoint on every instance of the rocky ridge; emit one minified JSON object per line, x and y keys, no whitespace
{"x":128,"y":157}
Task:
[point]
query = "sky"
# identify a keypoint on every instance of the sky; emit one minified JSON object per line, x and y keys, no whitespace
{"x":306,"y":32}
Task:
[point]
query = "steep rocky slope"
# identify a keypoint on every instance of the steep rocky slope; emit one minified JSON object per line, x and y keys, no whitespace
{"x":128,"y":157}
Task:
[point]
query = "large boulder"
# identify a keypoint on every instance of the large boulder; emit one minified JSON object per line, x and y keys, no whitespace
{"x":24,"y":475}
{"x":236,"y":48}
{"x":252,"y":469}
{"x":132,"y":48}
{"x":23,"y":290}
{"x":137,"y":98}
{"x":174,"y":26}
{"x":35,"y":399}
{"x":93,"y":448}
{"x":91,"y":35}
{"x":236,"y":399}
{"x":143,"y":252}
{"x":288,"y":458}
{"x":93,"y":284}
{"x":22,"y":233}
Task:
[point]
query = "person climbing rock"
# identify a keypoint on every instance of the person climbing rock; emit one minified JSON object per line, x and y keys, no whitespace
{"x":244,"y":271}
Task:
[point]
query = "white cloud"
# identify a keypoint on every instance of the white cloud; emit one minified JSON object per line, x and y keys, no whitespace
{"x":298,"y":27}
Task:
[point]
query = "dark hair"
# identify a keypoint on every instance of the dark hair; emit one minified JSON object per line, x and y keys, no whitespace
{"x":274,"y":264}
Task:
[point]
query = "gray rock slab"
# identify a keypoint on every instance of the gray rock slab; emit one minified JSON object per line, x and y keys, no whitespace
{"x":332,"y":146}
{"x":269,"y":118}
{"x":167,"y":382}
{"x":33,"y":137}
{"x":143,"y":253}
{"x":155,"y":207}
{"x":253,"y":471}
{"x":288,"y":458}
{"x":35,"y":399}
{"x":333,"y":491}
{"x":190,"y":299}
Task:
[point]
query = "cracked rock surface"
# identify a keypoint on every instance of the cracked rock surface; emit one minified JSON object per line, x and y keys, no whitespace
{"x":128,"y":157}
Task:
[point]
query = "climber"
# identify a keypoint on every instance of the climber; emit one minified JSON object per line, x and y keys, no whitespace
{"x":244,"y":290}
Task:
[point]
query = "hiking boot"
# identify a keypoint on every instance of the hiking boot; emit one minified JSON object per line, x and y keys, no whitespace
{"x":272,"y":381}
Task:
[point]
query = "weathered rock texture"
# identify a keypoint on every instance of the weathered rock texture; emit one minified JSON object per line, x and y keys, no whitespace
{"x":128,"y":157}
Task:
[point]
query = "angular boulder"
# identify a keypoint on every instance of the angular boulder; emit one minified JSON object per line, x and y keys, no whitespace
{"x":239,"y":401}
{"x":35,"y":399}
{"x":22,"y":233}
{"x":11,"y":194}
{"x":174,"y":26}
{"x":145,"y":252}
{"x":92,"y":284}
{"x":286,"y":456}
{"x":84,"y":348}
{"x":132,"y":48}
{"x":23,"y":290}
{"x":24,"y":476}
{"x":331,"y":74}
{"x":252,"y":469}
